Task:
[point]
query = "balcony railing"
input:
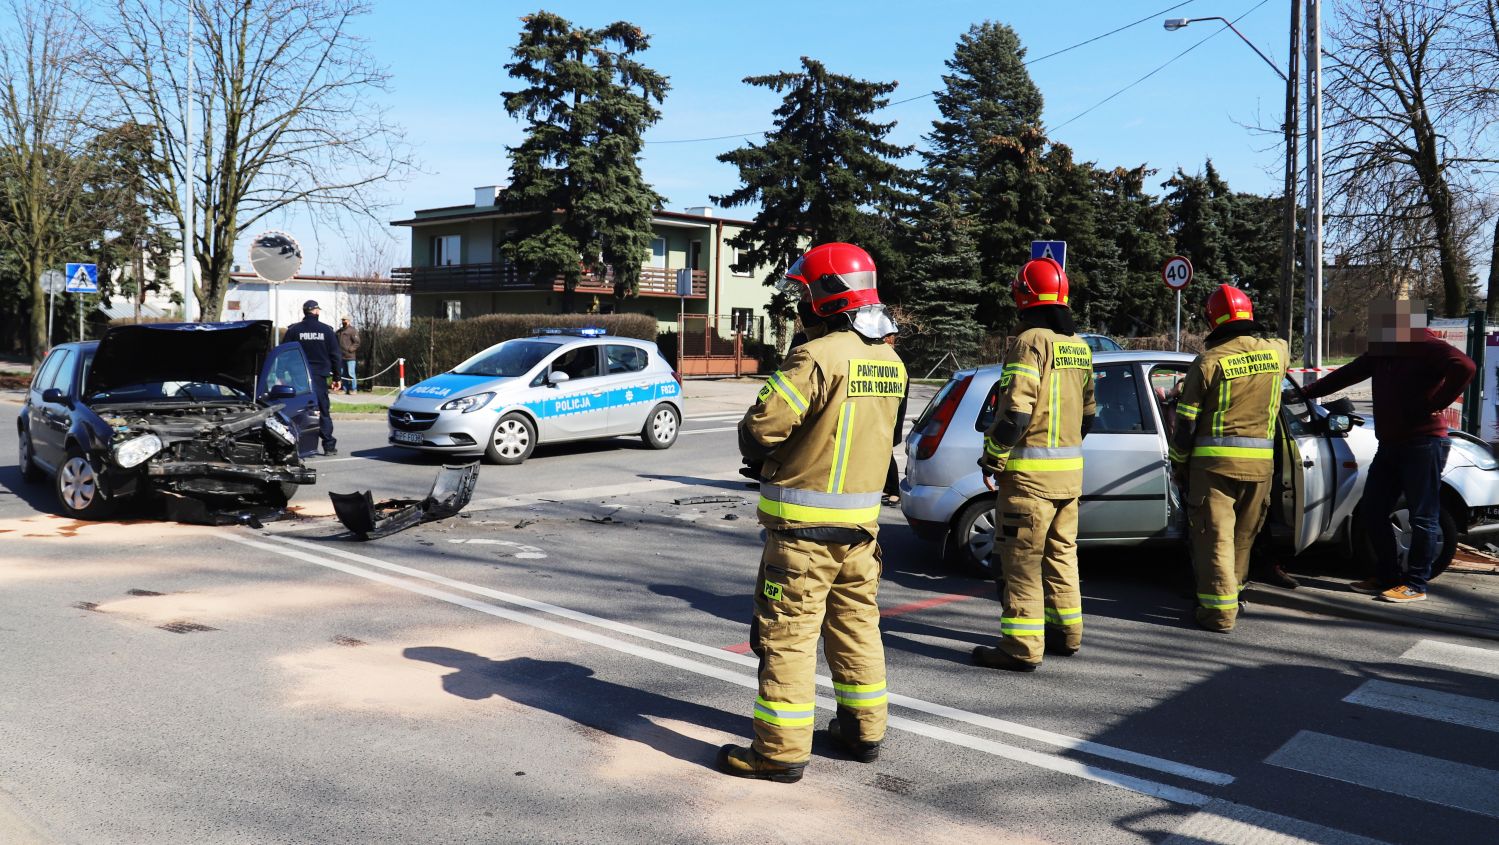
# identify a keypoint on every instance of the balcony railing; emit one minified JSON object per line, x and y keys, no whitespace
{"x":474,"y":278}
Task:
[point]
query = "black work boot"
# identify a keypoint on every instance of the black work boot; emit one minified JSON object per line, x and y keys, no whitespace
{"x":1057,"y":644}
{"x":864,"y":752}
{"x":1275,"y":574}
{"x":743,"y":762}
{"x":993,"y":657}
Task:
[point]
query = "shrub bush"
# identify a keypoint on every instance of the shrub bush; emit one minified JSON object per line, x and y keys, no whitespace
{"x":431,"y":346}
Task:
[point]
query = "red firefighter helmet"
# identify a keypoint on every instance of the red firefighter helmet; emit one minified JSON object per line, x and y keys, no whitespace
{"x":1040,"y":282}
{"x":1227,"y":304}
{"x":839,"y":277}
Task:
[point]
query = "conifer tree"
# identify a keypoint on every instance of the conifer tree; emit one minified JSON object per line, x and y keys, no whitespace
{"x":824,"y":173}
{"x":586,"y":100}
{"x":945,"y":290}
{"x":986,"y":154}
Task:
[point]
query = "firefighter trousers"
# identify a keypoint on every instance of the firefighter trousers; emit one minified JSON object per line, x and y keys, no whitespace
{"x":1225,"y":515}
{"x":1035,"y":539}
{"x":807,"y":587}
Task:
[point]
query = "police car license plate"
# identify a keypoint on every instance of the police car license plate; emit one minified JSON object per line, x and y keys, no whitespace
{"x":412,"y":437}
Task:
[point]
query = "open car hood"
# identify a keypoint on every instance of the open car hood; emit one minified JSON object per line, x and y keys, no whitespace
{"x":230,"y":354}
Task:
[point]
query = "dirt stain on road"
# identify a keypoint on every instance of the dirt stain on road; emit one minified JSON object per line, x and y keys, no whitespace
{"x":229,"y":604}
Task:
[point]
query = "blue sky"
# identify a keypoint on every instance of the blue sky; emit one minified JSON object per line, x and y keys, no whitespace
{"x":447,"y":57}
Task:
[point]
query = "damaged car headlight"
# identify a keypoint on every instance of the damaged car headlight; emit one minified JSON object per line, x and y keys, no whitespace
{"x":467,"y":403}
{"x":137,"y":450}
{"x":282,"y":432}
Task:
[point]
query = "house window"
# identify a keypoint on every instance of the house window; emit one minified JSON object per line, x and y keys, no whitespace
{"x":735,"y":254}
{"x":446,"y":251}
{"x":231,"y":305}
{"x":454,"y":308}
{"x":658,"y":252}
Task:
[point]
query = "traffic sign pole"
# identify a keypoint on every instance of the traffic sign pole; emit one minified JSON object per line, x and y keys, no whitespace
{"x":1177,"y":274}
{"x":1178,"y":321}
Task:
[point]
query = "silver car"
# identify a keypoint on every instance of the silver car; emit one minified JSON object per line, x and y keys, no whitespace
{"x":1128,"y":496}
{"x":554,"y":386}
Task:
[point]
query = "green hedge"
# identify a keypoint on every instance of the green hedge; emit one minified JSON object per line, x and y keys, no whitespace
{"x":431,"y":346}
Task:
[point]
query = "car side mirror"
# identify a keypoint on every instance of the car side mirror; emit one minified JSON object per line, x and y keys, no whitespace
{"x":1339,"y":424}
{"x":557,"y":377}
{"x":282,"y":391}
{"x":54,"y":396}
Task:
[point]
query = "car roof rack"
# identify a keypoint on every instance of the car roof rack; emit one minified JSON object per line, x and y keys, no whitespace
{"x":583,"y":331}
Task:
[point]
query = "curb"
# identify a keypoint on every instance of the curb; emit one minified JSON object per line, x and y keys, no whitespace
{"x":1312,"y":603}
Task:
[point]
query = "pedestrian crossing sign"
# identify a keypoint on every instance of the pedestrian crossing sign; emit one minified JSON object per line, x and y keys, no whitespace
{"x":82,"y":278}
{"x":1055,"y":250}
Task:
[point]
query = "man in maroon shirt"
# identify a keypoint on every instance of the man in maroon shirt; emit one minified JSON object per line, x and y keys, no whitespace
{"x":1416,"y":376}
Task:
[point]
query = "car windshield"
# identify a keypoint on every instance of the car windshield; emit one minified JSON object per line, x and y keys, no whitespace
{"x":510,"y":359}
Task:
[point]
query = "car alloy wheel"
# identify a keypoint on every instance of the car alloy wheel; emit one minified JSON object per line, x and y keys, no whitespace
{"x":78,"y":484}
{"x":664,"y":425}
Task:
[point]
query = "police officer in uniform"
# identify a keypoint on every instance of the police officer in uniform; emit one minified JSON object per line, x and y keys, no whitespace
{"x":1043,"y":408}
{"x":822,"y":427}
{"x":1223,"y":450}
{"x":320,"y":346}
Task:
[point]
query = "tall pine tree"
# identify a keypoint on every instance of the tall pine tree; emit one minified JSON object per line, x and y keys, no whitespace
{"x":986,"y":154}
{"x":824,"y":173}
{"x":945,"y":290}
{"x":586,"y":101}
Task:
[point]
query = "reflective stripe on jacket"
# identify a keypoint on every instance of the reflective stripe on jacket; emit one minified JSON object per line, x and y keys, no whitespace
{"x":1225,"y":417}
{"x":1050,"y":377}
{"x":827,"y":418}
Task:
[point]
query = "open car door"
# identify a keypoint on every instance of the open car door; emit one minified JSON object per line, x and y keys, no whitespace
{"x":285,"y":382}
{"x":1305,"y":466}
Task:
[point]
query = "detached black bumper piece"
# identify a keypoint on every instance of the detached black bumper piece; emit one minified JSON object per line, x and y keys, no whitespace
{"x":451,"y":492}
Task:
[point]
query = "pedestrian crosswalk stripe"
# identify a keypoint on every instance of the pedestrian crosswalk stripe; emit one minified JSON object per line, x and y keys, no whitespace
{"x":1226,"y":823}
{"x":1428,"y":704}
{"x":1465,"y":657}
{"x":1390,"y":770}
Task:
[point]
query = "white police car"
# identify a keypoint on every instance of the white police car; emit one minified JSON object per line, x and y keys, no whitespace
{"x":557,"y":385}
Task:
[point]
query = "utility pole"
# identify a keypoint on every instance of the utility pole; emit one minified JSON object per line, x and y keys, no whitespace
{"x":190,"y":295}
{"x":1288,"y":238}
{"x":1313,"y":337}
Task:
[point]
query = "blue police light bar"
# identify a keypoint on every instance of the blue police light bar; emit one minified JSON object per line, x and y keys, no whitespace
{"x":590,"y":331}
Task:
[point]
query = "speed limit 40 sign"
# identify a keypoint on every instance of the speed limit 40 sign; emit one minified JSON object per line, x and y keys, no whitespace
{"x":1177,"y":272}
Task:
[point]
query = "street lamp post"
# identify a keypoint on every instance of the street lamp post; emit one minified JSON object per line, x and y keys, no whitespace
{"x":1288,"y":235}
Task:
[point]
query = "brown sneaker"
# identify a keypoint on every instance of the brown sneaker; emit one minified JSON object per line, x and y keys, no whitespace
{"x":742,"y":762}
{"x":1402,"y":593}
{"x":1368,"y":586}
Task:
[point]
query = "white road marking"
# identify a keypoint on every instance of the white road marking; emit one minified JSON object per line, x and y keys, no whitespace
{"x":319,"y":461}
{"x":976,"y":719}
{"x":709,"y":430}
{"x":1449,"y":655}
{"x":716,"y":418}
{"x":1226,"y":823}
{"x":1390,"y":770}
{"x":1428,"y":704}
{"x":1050,"y":762}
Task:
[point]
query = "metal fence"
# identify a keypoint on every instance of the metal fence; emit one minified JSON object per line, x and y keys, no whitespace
{"x":720,"y":344}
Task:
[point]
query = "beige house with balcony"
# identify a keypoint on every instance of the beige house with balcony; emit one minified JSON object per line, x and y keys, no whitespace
{"x":457,"y":272}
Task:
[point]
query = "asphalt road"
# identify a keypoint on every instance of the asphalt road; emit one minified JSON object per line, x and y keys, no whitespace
{"x":560,"y":664}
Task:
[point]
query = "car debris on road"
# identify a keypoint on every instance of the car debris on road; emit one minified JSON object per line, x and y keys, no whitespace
{"x":366,"y":520}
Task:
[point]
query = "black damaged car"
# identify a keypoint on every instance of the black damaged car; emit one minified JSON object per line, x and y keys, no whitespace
{"x":211,"y":413}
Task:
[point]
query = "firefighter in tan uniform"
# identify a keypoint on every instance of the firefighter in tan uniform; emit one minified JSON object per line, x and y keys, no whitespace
{"x":821,"y":430}
{"x":1223,"y":449}
{"x":1043,"y":409}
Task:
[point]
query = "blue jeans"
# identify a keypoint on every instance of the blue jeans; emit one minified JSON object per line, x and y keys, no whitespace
{"x":1412,"y":468}
{"x":348,"y":377}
